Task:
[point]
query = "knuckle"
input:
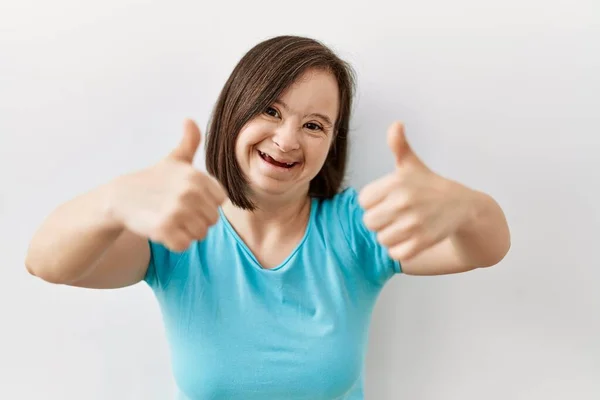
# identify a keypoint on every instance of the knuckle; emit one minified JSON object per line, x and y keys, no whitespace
{"x":161,"y":231}
{"x":188,"y":183}
{"x":178,"y":245}
{"x":183,"y":195}
{"x":177,"y":207}
{"x":191,"y":175}
{"x":362,"y":197}
{"x":155,"y":236}
{"x":418,"y":242}
{"x":368,"y":220}
{"x":213,"y":217}
{"x":202,"y":231}
{"x":427,"y":238}
{"x":383,"y":238}
{"x":219,"y":191}
{"x":415,"y":221}
{"x":408,"y":197}
{"x":399,"y":205}
{"x":181,"y":242}
{"x":222,"y":195}
{"x":396,"y":253}
{"x":161,"y":228}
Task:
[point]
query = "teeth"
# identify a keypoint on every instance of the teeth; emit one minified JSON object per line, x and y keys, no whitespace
{"x":266,"y":155}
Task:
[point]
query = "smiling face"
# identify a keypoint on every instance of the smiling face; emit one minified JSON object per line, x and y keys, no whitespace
{"x":282,"y":149}
{"x":271,"y":103}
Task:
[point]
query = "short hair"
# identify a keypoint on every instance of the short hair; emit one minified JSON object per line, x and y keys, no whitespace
{"x":256,"y":82}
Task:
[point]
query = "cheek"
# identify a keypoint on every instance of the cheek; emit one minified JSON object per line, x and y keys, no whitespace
{"x":242,"y":144}
{"x":239,"y":147}
{"x":318,"y":152}
{"x":251,"y":134}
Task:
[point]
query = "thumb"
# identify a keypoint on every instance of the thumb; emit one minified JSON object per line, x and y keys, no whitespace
{"x":399,"y":145}
{"x":186,"y":149}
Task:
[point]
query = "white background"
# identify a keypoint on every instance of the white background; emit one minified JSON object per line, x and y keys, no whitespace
{"x":500,"y":95}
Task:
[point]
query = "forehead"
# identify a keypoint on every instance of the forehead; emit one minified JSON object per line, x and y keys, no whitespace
{"x":314,"y":91}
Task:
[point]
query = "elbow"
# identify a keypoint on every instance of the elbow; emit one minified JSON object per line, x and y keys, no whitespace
{"x":41,"y":274}
{"x":44,"y":272}
{"x":497,"y":257}
{"x":504,"y":249}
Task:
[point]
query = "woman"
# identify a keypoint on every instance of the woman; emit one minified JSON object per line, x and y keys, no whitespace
{"x":265,"y":269}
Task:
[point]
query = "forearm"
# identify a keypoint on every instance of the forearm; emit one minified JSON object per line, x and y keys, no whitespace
{"x":484,"y":239}
{"x":72,"y":238}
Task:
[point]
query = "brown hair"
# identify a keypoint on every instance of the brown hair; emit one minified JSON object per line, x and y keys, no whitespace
{"x":256,"y":82}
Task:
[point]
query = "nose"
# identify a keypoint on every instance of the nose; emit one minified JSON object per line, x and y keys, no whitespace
{"x":286,"y":138}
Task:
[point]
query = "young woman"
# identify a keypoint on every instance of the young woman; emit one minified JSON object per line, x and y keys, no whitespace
{"x":266,"y":270}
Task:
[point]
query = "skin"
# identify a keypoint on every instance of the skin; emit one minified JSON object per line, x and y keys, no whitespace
{"x":431,"y":224}
{"x":296,"y":128}
{"x":99,"y":239}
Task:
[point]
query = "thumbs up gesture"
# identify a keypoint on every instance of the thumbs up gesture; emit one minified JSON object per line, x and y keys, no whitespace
{"x":412,"y":208}
{"x":170,"y":202}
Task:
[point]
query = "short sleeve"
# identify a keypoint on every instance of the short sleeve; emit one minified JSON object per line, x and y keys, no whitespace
{"x":371,"y":255}
{"x":161,"y":264}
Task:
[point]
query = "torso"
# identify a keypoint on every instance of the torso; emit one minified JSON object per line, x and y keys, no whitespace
{"x":273,"y":248}
{"x":272,"y":254}
{"x":296,"y":331}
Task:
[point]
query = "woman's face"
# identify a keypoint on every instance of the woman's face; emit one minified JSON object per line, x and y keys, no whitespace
{"x":282,"y":150}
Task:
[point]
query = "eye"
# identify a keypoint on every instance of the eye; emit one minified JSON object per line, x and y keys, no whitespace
{"x":272,"y":112}
{"x":313,"y":127}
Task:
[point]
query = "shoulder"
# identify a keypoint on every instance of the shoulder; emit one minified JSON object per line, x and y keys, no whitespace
{"x":163,"y":261}
{"x":166,"y":264}
{"x":342,"y":217}
{"x":345,"y":202}
{"x":343,"y":210}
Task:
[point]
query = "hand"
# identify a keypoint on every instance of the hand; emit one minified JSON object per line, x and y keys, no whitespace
{"x":413,"y":208}
{"x":170,"y":202}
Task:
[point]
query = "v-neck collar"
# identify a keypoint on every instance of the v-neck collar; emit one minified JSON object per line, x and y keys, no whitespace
{"x":244,"y":246}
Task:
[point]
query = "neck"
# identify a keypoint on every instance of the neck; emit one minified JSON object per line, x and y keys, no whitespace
{"x":271,"y":217}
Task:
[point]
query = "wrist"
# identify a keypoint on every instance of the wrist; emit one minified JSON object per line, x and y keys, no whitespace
{"x":474,"y":207}
{"x":108,"y":201}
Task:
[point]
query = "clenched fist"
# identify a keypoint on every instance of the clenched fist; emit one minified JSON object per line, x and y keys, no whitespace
{"x":413,"y":208}
{"x":170,"y":202}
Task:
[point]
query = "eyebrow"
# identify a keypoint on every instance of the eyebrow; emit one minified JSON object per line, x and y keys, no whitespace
{"x":322,"y":116}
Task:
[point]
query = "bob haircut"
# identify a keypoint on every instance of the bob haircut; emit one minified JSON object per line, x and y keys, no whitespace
{"x":256,"y":82}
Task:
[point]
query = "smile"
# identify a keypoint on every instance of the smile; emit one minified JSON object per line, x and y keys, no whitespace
{"x":274,"y":162}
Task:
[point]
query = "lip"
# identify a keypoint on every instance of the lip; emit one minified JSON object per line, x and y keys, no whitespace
{"x":278,"y":159}
{"x":269,"y":167}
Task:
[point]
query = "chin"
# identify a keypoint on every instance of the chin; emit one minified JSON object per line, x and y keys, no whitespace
{"x":272,"y":180}
{"x":263,"y":185}
{"x":270,"y":186}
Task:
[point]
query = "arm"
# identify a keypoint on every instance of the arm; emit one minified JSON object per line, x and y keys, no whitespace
{"x":481,"y":241}
{"x":431,"y":224}
{"x":80,"y":244}
{"x":100,"y":239}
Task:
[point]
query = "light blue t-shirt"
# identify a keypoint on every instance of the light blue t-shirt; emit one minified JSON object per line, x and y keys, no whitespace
{"x":295,"y":332}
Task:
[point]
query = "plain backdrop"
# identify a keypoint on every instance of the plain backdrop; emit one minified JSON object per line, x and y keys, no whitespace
{"x":500,"y":95}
